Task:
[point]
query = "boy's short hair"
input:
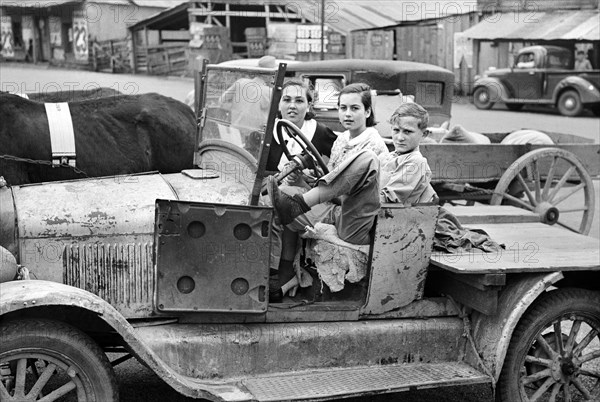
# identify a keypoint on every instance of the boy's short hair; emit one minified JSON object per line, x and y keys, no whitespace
{"x":415,"y":110}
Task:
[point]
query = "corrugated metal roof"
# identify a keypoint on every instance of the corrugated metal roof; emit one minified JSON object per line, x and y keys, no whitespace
{"x":556,"y":25}
{"x":158,"y":3}
{"x":37,"y":3}
{"x":345,"y":16}
{"x":54,"y":3}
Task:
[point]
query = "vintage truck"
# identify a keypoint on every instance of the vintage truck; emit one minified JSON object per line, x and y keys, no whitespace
{"x":541,"y":75}
{"x":173,"y":270}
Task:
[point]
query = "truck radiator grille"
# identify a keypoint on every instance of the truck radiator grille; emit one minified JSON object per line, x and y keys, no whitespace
{"x":121,"y":274}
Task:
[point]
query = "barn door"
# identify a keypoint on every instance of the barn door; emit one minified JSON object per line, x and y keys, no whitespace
{"x":211,"y":257}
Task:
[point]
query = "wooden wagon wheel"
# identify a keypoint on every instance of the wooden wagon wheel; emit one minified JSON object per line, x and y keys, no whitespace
{"x":542,"y":180}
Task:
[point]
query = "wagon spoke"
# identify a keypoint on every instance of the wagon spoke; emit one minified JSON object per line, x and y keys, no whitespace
{"x":590,"y":356}
{"x":567,"y":195}
{"x":20,"y":378}
{"x":537,"y":181}
{"x":562,"y":211}
{"x":574,"y":331}
{"x":567,"y":393}
{"x":538,"y":360}
{"x":59,"y":392}
{"x":584,"y":391}
{"x":564,"y":225}
{"x":543,"y":388}
{"x":537,"y":376}
{"x":585,"y":342}
{"x":4,"y":395}
{"x":558,"y":337}
{"x":547,"y":348}
{"x":549,"y":178}
{"x":42,"y":380}
{"x":518,"y":201}
{"x":530,"y":196}
{"x":555,"y":391}
{"x":590,"y":372}
{"x":561,"y":182}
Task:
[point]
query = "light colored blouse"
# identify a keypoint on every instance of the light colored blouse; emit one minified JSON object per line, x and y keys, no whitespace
{"x":345,"y":147}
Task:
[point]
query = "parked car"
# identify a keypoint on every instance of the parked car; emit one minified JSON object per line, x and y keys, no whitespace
{"x":173,"y":270}
{"x":541,"y":75}
{"x":393,"y":82}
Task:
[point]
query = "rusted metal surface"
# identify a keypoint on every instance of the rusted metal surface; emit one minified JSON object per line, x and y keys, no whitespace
{"x":121,"y":274}
{"x":212,"y":257}
{"x":401,"y":251}
{"x":212,"y":351}
{"x":492,"y":333}
{"x":98,"y":234}
{"x":8,"y":218}
{"x":361,"y":381}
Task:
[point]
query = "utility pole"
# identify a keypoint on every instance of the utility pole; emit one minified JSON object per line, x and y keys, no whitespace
{"x":322,"y":29}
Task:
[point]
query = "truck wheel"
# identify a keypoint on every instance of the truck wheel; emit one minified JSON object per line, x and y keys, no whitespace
{"x":569,"y":103}
{"x":482,"y":98}
{"x":515,"y":107}
{"x":55,"y":361}
{"x":554,"y":353}
{"x":549,"y":178}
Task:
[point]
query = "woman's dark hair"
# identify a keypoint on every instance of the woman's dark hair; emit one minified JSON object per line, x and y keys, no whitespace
{"x":365,"y":96}
{"x":307,"y":87}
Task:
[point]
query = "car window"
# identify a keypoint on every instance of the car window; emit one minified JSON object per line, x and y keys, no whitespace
{"x":327,"y":90}
{"x":237,"y":108}
{"x":526,"y":60}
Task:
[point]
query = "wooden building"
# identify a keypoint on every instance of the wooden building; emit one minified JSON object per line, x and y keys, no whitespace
{"x":75,"y":33}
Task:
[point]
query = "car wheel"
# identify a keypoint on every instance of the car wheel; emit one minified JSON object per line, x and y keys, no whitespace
{"x":554,"y":353}
{"x":54,"y":361}
{"x":482,"y":98}
{"x":569,"y":103}
{"x":515,"y":107}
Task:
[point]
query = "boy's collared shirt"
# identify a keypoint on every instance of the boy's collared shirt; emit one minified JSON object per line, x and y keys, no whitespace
{"x":405,"y":178}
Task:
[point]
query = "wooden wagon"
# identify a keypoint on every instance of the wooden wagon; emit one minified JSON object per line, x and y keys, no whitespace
{"x":552,"y":181}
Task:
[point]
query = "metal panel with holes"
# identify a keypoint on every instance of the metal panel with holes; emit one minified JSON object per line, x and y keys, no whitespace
{"x":211,"y":257}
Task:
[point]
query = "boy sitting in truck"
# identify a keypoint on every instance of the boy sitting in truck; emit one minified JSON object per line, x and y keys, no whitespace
{"x":405,"y":174}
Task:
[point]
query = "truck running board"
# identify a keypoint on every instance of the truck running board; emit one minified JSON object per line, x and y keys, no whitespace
{"x":356,"y":381}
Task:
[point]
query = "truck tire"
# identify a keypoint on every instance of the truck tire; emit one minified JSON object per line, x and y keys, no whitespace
{"x":569,"y":103}
{"x":535,"y":368}
{"x":36,"y":350}
{"x":482,"y":98}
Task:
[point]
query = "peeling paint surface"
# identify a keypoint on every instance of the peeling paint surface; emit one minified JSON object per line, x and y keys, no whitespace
{"x":401,"y":252}
{"x":219,"y":351}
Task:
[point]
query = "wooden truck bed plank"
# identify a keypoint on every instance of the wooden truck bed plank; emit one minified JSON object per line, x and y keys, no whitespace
{"x":530,"y":247}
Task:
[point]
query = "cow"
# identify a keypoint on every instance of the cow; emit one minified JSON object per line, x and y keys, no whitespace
{"x":115,"y":135}
{"x":74,"y":95}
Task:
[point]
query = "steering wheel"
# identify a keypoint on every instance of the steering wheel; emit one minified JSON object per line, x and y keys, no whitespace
{"x":318,"y":165}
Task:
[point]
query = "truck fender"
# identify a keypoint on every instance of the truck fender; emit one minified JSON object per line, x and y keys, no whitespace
{"x":587,"y":91}
{"x":492,"y":333}
{"x":498,"y":92}
{"x":31,"y":294}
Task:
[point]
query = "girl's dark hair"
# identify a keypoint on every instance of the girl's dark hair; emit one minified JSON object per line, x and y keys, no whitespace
{"x":309,"y":95}
{"x":365,"y":96}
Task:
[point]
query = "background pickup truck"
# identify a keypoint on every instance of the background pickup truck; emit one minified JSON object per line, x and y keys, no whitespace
{"x":541,"y":75}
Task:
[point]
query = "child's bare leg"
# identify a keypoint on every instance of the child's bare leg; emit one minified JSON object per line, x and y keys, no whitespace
{"x":288,"y":253}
